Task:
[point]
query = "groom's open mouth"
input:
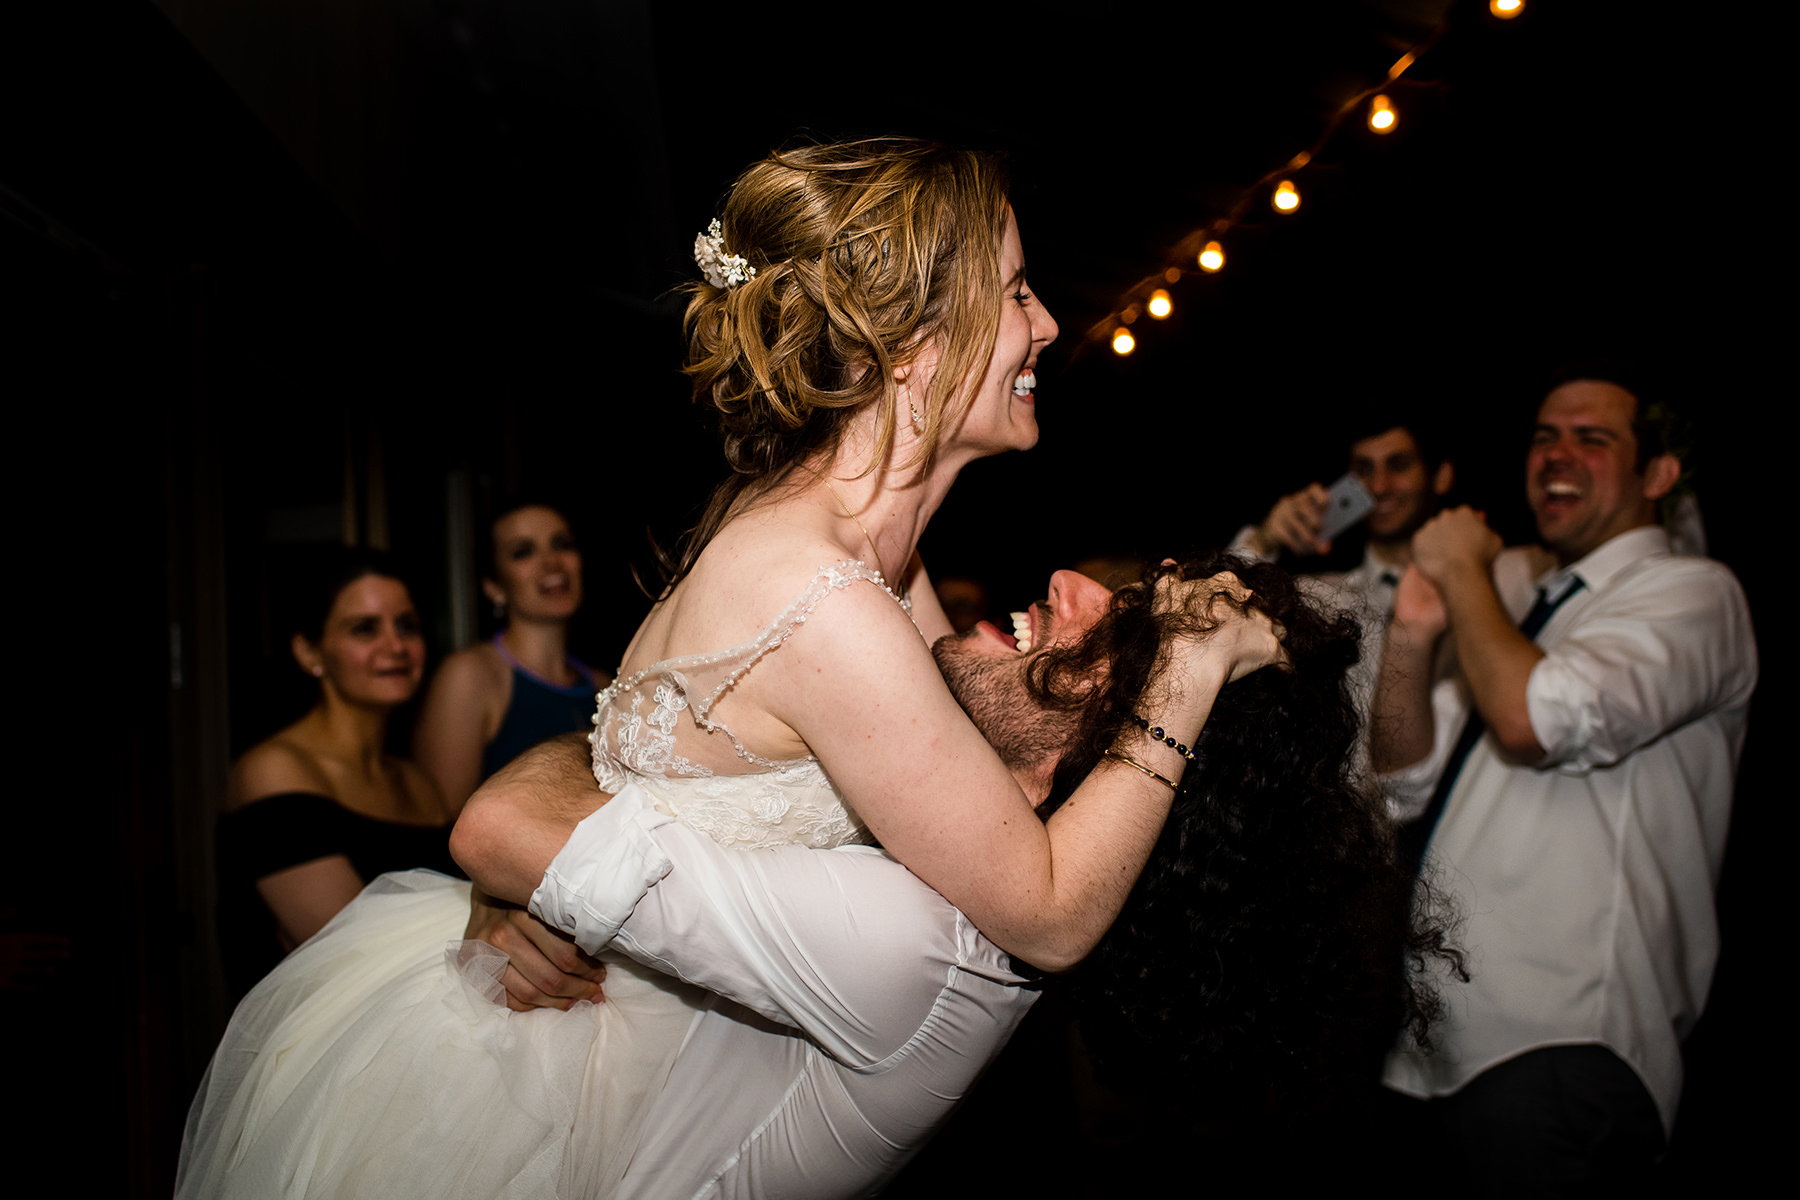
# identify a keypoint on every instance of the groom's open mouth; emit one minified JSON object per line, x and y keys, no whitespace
{"x":1024,"y":630}
{"x":990,"y":631}
{"x":1027,"y":631}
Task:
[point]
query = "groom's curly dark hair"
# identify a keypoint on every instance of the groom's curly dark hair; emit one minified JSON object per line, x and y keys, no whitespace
{"x":1273,"y":948}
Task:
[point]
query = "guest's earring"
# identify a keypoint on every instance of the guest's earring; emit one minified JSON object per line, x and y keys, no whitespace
{"x":318,"y":671}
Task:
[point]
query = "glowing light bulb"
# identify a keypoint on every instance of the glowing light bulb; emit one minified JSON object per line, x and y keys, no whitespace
{"x":1160,"y":304}
{"x":1381,"y":114}
{"x":1287,"y":197}
{"x":1506,"y":10}
{"x":1123,"y":342}
{"x":1212,"y":258}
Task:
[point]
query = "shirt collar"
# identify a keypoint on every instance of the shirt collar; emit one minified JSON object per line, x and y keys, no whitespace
{"x":1374,"y":567}
{"x":1598,"y":567}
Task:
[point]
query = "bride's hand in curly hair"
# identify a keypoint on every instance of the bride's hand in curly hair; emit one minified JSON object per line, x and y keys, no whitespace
{"x":1223,"y":628}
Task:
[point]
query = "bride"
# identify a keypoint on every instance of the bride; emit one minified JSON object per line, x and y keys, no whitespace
{"x":866,"y":330}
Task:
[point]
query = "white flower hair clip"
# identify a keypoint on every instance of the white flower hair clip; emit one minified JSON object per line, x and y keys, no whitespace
{"x":722,"y":270}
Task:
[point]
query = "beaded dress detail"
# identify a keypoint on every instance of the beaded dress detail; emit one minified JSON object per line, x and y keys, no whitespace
{"x":699,"y":772}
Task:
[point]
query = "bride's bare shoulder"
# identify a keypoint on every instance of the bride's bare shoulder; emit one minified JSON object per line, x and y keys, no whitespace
{"x":747,"y":576}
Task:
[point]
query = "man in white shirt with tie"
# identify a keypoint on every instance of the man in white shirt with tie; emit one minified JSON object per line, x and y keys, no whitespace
{"x":1581,"y":821}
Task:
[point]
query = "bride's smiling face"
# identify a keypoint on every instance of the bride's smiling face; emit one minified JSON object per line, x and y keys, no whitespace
{"x":1002,"y":414}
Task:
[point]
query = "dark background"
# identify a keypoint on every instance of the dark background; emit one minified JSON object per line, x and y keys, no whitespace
{"x":285,"y":271}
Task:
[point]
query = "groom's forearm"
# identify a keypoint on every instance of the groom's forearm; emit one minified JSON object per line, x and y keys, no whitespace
{"x":514,"y":824}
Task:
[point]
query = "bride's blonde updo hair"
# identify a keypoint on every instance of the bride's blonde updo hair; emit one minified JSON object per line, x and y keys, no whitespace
{"x":865,"y":254}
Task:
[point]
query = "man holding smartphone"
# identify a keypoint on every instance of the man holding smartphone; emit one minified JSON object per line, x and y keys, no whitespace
{"x":1398,"y":477}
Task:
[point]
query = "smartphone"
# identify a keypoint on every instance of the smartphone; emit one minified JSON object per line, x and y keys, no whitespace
{"x":1349,"y":503}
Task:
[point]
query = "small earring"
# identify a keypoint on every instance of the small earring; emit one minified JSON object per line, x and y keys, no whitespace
{"x":917,"y":420}
{"x":318,"y":672}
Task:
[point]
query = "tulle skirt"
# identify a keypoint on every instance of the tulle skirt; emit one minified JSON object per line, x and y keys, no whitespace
{"x":379,"y":1060}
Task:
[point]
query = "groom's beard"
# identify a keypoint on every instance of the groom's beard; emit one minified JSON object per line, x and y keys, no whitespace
{"x":991,"y":689}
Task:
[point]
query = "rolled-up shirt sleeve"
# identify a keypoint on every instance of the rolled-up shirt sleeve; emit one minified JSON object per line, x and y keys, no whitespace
{"x":1647,"y":657}
{"x":603,"y":871}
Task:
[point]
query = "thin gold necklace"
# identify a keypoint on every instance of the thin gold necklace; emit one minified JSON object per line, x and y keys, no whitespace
{"x":859,"y":525}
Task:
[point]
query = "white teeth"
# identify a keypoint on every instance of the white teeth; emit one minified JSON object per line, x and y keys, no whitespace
{"x":1022,"y":630}
{"x":1561,"y":489}
{"x":1025,"y":383}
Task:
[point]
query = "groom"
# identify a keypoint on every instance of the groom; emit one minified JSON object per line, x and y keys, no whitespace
{"x":902,"y":1002}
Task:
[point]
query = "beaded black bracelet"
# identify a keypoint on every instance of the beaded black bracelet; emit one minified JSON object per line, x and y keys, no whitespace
{"x":1156,"y":731}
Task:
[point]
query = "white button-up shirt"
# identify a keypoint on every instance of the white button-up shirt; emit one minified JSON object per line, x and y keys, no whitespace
{"x":1587,"y":880}
{"x":901,"y":1001}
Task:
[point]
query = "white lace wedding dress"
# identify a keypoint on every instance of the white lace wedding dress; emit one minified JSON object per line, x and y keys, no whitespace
{"x":379,"y":1059}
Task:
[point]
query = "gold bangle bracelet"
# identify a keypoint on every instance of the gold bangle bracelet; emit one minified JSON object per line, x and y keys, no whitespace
{"x":1165,"y":781}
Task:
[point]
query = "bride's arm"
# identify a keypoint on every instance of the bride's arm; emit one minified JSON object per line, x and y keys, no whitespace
{"x":861,"y":689}
{"x":891,"y":736}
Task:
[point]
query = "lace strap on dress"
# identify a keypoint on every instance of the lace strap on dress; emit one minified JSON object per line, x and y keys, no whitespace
{"x":829,"y":579}
{"x":625,"y":736}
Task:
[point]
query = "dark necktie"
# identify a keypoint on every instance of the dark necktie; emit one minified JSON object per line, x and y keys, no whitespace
{"x":1415,"y":836}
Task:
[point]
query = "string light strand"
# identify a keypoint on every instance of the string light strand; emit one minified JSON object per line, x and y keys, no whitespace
{"x":1205,"y":248}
